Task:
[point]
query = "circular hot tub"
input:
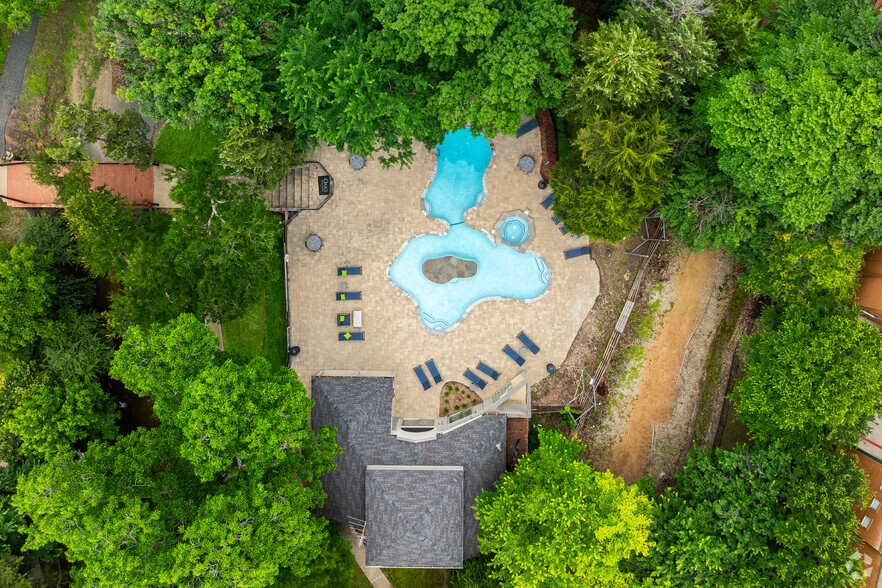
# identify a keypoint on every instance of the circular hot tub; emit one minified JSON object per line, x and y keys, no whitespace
{"x":515,"y":230}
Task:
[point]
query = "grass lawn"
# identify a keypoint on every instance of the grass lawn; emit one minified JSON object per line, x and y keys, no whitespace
{"x":262,"y":330}
{"x":359,"y":580}
{"x":5,"y":40}
{"x":180,"y":147}
{"x":413,"y":578}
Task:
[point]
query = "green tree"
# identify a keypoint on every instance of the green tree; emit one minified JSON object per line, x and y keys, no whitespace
{"x":622,"y":173}
{"x":123,"y":136}
{"x":52,"y":415}
{"x":332,"y":567}
{"x":16,"y":14}
{"x":9,"y":574}
{"x":103,"y":227}
{"x":260,"y":153}
{"x":194,"y":389}
{"x":622,"y":68}
{"x":758,"y":516}
{"x":26,"y":288}
{"x":801,"y":266}
{"x":797,"y":132}
{"x":555,"y":521}
{"x":813,"y":376}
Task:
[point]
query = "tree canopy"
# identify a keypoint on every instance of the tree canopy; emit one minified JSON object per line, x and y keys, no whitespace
{"x":813,"y":376}
{"x":555,"y":521}
{"x":758,"y":516}
{"x":219,"y":494}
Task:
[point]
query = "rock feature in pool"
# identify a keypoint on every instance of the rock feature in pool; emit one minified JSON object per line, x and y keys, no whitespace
{"x":501,"y":271}
{"x":443,"y":269}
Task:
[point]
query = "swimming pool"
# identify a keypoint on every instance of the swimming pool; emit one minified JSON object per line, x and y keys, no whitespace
{"x":515,"y":230}
{"x":502,"y":271}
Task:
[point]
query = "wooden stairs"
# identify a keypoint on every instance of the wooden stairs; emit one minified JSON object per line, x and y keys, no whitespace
{"x":305,"y":187}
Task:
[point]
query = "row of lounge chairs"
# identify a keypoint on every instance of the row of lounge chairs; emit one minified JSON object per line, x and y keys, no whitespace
{"x":569,"y":253}
{"x":527,"y":342}
{"x":433,"y":371}
{"x":353,"y":319}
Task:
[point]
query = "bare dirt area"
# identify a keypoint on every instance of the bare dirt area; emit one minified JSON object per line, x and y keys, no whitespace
{"x":689,"y":294}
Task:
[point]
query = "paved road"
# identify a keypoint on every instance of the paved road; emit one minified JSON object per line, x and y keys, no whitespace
{"x":13,"y":74}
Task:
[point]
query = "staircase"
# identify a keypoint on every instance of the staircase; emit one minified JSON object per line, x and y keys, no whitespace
{"x":306,"y":187}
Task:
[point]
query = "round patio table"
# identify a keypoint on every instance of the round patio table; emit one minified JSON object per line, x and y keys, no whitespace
{"x":526,"y":164}
{"x":356,"y":162}
{"x":523,"y":351}
{"x":313,"y":242}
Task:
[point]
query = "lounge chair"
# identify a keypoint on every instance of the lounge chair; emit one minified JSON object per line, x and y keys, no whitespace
{"x":356,"y":319}
{"x":343,"y":320}
{"x":433,"y":370}
{"x":556,"y":220}
{"x":474,"y":379}
{"x":528,"y":343}
{"x":421,"y":375}
{"x":577,"y":252}
{"x":526,"y":128}
{"x":349,"y":271}
{"x":548,"y":201}
{"x":563,"y":230}
{"x":514,"y":355}
{"x":347,"y":336}
{"x":486,"y":369}
{"x":348,"y":295}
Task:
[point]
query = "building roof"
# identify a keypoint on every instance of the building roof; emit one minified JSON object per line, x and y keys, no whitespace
{"x":361,"y":410}
{"x":414,"y":516}
{"x":126,"y":181}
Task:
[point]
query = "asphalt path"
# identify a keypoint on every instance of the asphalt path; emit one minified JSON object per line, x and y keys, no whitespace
{"x":13,"y":73}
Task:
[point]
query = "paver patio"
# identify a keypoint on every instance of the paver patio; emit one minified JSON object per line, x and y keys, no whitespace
{"x":372,"y":214}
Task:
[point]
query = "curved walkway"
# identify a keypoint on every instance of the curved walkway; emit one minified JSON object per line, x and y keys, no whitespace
{"x":13,"y":73}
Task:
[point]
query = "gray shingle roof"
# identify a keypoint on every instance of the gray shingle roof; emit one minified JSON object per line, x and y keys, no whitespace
{"x":361,"y":409}
{"x":414,"y":516}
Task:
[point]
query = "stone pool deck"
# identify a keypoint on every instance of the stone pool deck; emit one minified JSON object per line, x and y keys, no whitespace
{"x":371,"y":215}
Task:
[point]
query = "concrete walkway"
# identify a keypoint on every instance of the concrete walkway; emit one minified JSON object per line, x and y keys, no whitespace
{"x":13,"y":73}
{"x":374,"y":575}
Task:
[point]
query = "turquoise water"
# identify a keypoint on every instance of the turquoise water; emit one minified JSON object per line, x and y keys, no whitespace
{"x":515,"y":230}
{"x":502,"y":271}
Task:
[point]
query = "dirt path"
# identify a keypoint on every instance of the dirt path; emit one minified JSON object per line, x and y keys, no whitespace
{"x":13,"y":74}
{"x":656,"y":394}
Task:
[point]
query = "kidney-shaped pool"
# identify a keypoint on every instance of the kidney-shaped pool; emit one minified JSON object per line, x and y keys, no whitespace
{"x":502,"y":271}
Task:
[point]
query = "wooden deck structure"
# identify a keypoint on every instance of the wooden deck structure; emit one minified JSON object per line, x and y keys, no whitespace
{"x":306,"y":187}
{"x":18,"y":189}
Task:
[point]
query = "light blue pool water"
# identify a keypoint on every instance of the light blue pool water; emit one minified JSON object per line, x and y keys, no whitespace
{"x":502,"y":271}
{"x":515,"y":230}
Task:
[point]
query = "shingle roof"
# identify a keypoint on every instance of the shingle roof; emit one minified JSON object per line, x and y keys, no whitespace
{"x":414,"y":515}
{"x":361,"y":409}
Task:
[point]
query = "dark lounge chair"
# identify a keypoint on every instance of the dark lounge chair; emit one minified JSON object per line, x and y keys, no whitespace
{"x":514,"y":355}
{"x":349,"y":271}
{"x":474,"y":379}
{"x":347,"y":336}
{"x":348,"y":295}
{"x":556,"y":220}
{"x":548,"y":201}
{"x":563,"y":230}
{"x":577,"y":252}
{"x":433,"y":371}
{"x":528,"y":343}
{"x":486,"y":369}
{"x":421,"y":375}
{"x":526,"y":128}
{"x":343,"y":320}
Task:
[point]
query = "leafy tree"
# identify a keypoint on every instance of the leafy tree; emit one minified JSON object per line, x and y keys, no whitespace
{"x":52,"y":415}
{"x":813,"y":376}
{"x":688,"y":55}
{"x":9,"y":574}
{"x":16,"y":14}
{"x":555,"y":521}
{"x":123,"y":136}
{"x":48,"y":235}
{"x":797,"y":133}
{"x":75,"y":346}
{"x":193,"y":389}
{"x":623,"y":173}
{"x":261,"y":154}
{"x":735,"y":30}
{"x":799,"y":267}
{"x":103,"y":226}
{"x":622,"y":70}
{"x":26,"y":288}
{"x":475,"y":573}
{"x":157,"y":512}
{"x":332,"y":567}
{"x":758,"y":516}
